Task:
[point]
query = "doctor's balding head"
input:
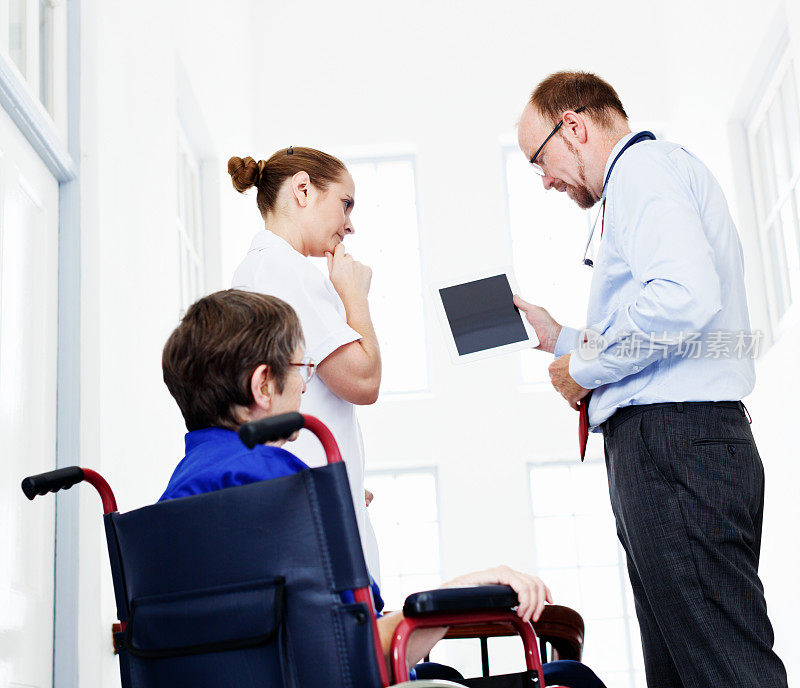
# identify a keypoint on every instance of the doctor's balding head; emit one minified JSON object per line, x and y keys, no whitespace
{"x":567,"y":131}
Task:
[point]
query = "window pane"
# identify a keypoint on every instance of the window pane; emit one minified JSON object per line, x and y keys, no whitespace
{"x":590,"y":490}
{"x":797,"y":209}
{"x":551,"y":493}
{"x":606,"y":645}
{"x":556,"y":543}
{"x":777,"y":133}
{"x":17,"y":30}
{"x":780,"y":273}
{"x":387,"y":239}
{"x":46,"y":55}
{"x":791,"y":109}
{"x":579,"y":558}
{"x":189,"y":223}
{"x":564,"y":584}
{"x":791,"y":248}
{"x":405,"y":517}
{"x":601,"y":592}
{"x":597,"y":541}
{"x":768,"y":191}
{"x":547,"y":233}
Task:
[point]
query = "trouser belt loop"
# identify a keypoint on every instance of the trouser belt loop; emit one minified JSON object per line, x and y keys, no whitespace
{"x":679,"y":406}
{"x":746,"y":412}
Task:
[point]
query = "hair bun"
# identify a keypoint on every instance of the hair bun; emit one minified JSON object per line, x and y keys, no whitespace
{"x":244,"y":173}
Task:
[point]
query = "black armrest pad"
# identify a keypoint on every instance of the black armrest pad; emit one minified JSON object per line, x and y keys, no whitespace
{"x":473,"y":599}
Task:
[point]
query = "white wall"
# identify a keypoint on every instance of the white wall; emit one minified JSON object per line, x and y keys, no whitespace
{"x":131,"y":429}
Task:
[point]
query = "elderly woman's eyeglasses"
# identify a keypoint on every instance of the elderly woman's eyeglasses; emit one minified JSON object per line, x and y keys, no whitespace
{"x":307,"y":368}
{"x":536,"y":167}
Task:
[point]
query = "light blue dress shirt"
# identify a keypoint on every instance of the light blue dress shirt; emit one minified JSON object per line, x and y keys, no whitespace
{"x":667,"y":304}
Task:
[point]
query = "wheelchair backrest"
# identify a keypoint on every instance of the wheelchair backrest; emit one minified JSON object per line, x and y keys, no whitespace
{"x":242,"y":588}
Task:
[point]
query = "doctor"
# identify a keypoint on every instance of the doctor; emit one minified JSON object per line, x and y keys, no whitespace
{"x":685,"y":478}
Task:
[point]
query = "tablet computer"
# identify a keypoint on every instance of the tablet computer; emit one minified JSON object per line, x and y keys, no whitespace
{"x":479,"y":316}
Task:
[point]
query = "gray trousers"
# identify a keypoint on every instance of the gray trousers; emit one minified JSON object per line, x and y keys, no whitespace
{"x":687,"y":491}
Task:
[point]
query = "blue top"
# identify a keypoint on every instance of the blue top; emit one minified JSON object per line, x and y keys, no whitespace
{"x":667,"y":308}
{"x":216,"y":459}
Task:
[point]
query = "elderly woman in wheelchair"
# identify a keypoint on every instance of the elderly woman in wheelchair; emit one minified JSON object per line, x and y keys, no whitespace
{"x":237,"y":357}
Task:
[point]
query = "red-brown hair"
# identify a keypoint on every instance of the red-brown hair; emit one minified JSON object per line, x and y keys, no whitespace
{"x":268,"y":175}
{"x":564,"y":91}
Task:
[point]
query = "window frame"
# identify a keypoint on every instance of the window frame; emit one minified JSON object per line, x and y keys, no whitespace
{"x":25,"y":86}
{"x":191,"y":242}
{"x":765,"y":219}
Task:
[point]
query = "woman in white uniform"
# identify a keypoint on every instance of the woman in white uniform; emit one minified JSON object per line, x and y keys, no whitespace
{"x":305,"y":198}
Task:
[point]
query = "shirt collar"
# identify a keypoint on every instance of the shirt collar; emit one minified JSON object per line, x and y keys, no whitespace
{"x":266,"y":239}
{"x":197,"y":437}
{"x":615,"y":151}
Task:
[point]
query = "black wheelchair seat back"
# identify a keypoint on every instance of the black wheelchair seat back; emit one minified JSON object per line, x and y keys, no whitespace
{"x":242,"y":587}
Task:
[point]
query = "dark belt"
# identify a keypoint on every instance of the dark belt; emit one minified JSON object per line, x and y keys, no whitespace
{"x":626,"y":412}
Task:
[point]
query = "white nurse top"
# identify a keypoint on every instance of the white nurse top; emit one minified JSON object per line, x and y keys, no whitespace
{"x":273,"y":267}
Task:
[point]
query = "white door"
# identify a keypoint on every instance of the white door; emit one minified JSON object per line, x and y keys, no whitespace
{"x":28,"y":340}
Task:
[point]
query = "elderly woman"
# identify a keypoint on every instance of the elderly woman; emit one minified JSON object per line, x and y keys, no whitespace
{"x":239,"y":356}
{"x":305,"y":198}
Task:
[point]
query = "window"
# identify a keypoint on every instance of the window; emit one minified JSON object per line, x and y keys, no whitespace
{"x":33,"y":35}
{"x":773,"y":135}
{"x":387,"y":239}
{"x":548,"y":235}
{"x":582,"y":562}
{"x":405,"y":516}
{"x":190,"y":225}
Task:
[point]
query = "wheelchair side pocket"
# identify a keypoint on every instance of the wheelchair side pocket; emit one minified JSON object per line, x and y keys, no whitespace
{"x":356,"y":625}
{"x":219,"y":636}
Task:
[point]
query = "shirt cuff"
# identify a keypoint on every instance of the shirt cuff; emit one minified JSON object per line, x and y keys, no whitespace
{"x":567,"y":341}
{"x":588,"y":374}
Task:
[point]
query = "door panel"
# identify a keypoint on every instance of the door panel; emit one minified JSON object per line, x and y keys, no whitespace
{"x":28,"y":348}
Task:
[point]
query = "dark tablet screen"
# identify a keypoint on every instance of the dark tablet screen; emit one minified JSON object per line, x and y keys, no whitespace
{"x":482,"y":314}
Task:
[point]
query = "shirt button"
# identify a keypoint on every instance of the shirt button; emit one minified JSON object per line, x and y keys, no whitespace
{"x":597,"y":382}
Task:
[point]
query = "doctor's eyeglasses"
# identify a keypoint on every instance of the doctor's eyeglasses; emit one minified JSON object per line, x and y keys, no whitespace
{"x":536,"y":167}
{"x":307,"y":368}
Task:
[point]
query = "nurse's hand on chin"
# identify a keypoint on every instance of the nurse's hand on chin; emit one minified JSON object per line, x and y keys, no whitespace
{"x":350,"y":278}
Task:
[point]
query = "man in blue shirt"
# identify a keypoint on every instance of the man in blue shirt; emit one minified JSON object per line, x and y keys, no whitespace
{"x":667,"y":356}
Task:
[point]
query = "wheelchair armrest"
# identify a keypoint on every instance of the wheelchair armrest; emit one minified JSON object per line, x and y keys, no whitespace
{"x":455,"y":600}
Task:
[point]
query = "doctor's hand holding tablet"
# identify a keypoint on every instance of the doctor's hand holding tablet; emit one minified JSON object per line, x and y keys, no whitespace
{"x":483,"y":316}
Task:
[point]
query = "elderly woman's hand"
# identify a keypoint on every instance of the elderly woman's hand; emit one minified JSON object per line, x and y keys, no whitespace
{"x":350,"y":278}
{"x":531,"y":590}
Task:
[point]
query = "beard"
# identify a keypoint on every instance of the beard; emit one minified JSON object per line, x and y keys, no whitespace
{"x":579,"y":192}
{"x":581,"y":195}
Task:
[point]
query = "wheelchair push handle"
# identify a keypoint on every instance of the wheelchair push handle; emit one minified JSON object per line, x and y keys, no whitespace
{"x":64,"y":478}
{"x":284,"y":426}
{"x":271,"y":429}
{"x":52,"y":481}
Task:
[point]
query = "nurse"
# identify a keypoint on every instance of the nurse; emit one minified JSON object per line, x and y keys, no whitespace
{"x":305,"y":198}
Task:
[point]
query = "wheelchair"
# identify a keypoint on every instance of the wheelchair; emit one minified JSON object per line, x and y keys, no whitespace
{"x":241,"y":587}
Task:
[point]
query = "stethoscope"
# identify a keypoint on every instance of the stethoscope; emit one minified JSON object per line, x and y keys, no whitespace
{"x":641,"y":136}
